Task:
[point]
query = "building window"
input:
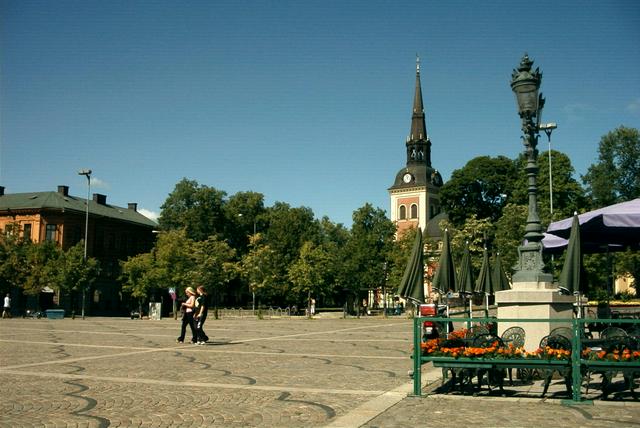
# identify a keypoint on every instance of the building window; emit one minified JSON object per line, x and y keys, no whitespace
{"x":50,"y":234}
{"x":26,"y":232}
{"x":414,"y":211}
{"x":403,"y":212}
{"x":9,"y":229}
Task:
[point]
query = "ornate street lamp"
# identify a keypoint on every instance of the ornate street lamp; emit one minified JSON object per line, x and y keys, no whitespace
{"x":525,"y":83}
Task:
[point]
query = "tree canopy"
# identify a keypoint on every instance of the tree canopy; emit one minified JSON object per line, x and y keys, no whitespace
{"x":482,"y":188}
{"x":615,"y":177}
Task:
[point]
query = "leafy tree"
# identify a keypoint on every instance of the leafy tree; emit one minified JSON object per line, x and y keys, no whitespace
{"x":76,"y":274}
{"x":509,"y":234}
{"x":334,"y":238}
{"x":14,"y":268}
{"x":309,"y":273}
{"x":616,"y":176}
{"x":367,"y":250}
{"x":43,"y":260}
{"x":140,"y":277}
{"x":478,"y":233}
{"x":287,"y":229}
{"x":244,"y":212}
{"x":195,"y":208}
{"x":482,"y":187}
{"x":260,"y":267}
{"x":214,"y":265}
{"x":398,"y":258}
{"x":568,"y":195}
{"x":173,"y":259}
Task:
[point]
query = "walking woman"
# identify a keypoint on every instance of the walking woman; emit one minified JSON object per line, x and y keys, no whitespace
{"x":187,"y":316}
{"x":202,"y":307}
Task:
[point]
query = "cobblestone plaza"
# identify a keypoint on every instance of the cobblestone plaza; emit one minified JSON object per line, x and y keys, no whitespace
{"x":288,"y":372}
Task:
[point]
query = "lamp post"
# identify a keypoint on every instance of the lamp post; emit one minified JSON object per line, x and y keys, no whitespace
{"x":525,"y":83}
{"x":253,"y":291}
{"x":86,"y":173}
{"x":548,"y":129}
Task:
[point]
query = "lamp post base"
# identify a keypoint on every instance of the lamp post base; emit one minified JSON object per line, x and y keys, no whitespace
{"x":526,"y":302}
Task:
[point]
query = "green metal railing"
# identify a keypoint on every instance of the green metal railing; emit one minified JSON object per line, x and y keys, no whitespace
{"x":577,"y":363}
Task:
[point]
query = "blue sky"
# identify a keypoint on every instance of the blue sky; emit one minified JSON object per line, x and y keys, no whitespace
{"x":307,"y":102}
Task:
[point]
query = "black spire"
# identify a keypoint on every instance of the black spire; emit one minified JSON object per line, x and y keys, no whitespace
{"x":418,"y":143}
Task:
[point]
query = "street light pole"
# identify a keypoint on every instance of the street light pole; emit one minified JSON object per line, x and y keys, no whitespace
{"x":525,"y":83}
{"x":86,"y":173}
{"x":253,"y":291}
{"x":548,"y":129}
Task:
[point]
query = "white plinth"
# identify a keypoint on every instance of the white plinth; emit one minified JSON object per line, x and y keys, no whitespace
{"x":533,"y":301}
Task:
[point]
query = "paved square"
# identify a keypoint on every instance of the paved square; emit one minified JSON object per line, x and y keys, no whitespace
{"x":287,"y":372}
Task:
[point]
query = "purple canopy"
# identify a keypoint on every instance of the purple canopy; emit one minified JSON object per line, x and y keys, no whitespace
{"x":617,"y":225}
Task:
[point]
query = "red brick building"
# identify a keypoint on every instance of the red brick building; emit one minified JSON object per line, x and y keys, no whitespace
{"x":114,"y":233}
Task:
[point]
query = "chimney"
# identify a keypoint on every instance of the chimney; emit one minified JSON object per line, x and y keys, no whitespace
{"x":1,"y":190}
{"x":63,"y":190}
{"x":99,"y":198}
{"x":133,"y":206}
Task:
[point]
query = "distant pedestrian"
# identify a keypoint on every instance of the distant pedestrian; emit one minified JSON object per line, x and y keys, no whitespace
{"x":313,"y":306}
{"x":201,"y":310}
{"x":6,"y":309}
{"x":187,"y":316}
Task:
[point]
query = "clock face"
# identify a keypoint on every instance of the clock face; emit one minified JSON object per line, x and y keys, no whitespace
{"x":407,"y":178}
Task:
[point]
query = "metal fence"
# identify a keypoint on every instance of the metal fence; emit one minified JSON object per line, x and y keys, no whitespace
{"x":251,"y":313}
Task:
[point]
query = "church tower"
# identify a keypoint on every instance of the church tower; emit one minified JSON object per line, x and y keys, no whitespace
{"x":415,"y":192}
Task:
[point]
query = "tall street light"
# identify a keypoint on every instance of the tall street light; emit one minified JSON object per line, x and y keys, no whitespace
{"x":525,"y":84}
{"x":253,"y":291}
{"x":548,"y":129}
{"x":86,"y":173}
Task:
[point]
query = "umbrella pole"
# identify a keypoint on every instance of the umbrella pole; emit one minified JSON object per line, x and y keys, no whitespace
{"x":486,"y":299}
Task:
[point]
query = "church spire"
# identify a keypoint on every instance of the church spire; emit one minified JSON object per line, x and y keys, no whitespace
{"x":418,"y":144}
{"x":418,"y":128}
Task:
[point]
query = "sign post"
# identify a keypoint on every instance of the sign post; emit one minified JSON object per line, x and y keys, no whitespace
{"x":172,"y":292}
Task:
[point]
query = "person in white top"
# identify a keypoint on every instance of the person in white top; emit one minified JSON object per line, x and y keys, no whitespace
{"x":6,"y":309}
{"x":187,"y":316}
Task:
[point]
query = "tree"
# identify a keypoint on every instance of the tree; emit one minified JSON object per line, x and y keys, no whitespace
{"x":195,"y":208}
{"x":287,"y":229}
{"x":14,"y":268}
{"x":482,"y":187}
{"x":172,"y":255}
{"x":509,"y":234}
{"x":309,"y":273}
{"x":568,"y":195}
{"x":76,"y":273}
{"x":616,"y":176}
{"x":478,"y":233}
{"x":367,"y":250}
{"x":139,"y":276}
{"x":214,"y":266}
{"x":260,"y":267}
{"x":398,"y":258}
{"x":244,"y":212}
{"x":43,"y":262}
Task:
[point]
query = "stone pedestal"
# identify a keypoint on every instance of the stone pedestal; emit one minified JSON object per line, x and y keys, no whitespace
{"x":532,"y":300}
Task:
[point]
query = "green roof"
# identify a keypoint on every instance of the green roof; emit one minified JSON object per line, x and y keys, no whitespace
{"x":58,"y":201}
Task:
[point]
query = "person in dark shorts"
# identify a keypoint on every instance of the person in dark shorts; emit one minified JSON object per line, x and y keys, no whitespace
{"x":201,"y":310}
{"x":6,"y":308}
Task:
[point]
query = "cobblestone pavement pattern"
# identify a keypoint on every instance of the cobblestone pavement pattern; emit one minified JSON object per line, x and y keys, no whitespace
{"x":288,"y":372}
